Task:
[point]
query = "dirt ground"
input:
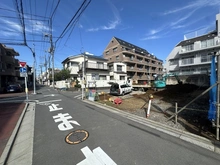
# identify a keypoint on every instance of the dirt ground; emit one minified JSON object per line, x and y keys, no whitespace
{"x":193,"y":119}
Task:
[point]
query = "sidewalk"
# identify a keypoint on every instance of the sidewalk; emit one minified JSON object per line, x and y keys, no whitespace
{"x":9,"y":115}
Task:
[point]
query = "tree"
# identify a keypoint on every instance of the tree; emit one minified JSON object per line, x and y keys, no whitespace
{"x":62,"y":75}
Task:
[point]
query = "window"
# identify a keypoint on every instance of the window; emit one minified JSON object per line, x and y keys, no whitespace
{"x":122,"y":77}
{"x":115,"y":49}
{"x":119,"y":68}
{"x":100,"y":65}
{"x":117,"y":57}
{"x":111,"y":78}
{"x":210,"y":42}
{"x":173,"y":62}
{"x":187,"y":61}
{"x":9,"y":66}
{"x":207,"y":43}
{"x":206,"y":58}
{"x":189,"y":47}
{"x":102,"y":77}
{"x":95,"y":76}
{"x":111,"y":68}
{"x":203,"y":44}
{"x":107,"y":52}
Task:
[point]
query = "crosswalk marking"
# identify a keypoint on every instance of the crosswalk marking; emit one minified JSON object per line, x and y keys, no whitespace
{"x":78,"y":96}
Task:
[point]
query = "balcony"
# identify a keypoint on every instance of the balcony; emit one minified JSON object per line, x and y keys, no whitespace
{"x":213,"y":48}
{"x":8,"y":59}
{"x":7,"y":72}
{"x":90,"y":65}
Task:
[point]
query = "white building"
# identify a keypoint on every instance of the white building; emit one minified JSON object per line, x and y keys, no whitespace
{"x":191,"y":58}
{"x":97,"y":73}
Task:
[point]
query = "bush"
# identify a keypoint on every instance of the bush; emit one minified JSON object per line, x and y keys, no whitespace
{"x":77,"y":86}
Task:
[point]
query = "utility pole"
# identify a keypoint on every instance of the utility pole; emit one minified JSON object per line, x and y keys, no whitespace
{"x":52,"y":54}
{"x":45,"y":64}
{"x":34,"y":69}
{"x":34,"y":72}
{"x":83,"y":76}
{"x":41,"y":73}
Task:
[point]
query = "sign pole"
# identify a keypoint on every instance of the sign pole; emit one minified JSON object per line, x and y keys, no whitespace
{"x":23,"y":73}
{"x":26,"y":89}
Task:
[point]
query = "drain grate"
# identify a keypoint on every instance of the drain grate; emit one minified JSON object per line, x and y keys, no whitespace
{"x":77,"y":137}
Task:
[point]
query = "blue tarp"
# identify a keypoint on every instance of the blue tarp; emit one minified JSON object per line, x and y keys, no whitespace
{"x":212,"y":92}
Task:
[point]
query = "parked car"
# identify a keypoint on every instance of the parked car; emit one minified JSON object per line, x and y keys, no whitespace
{"x":120,"y":89}
{"x":14,"y":88}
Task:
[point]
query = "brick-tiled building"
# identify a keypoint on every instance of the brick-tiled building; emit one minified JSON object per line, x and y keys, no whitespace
{"x":141,"y":65}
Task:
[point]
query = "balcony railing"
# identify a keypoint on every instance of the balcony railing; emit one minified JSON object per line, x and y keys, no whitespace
{"x":91,"y":65}
{"x":182,"y":51}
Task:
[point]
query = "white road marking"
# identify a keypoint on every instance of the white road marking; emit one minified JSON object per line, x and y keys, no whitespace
{"x":78,"y":96}
{"x":49,"y":95}
{"x":66,"y":124}
{"x":43,"y":102}
{"x":54,"y":107}
{"x":97,"y":157}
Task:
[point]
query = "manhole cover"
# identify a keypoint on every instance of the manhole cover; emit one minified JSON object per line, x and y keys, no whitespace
{"x":77,"y":137}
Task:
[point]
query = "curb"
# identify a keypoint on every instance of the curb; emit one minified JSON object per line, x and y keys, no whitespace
{"x":9,"y":145}
{"x":211,"y":145}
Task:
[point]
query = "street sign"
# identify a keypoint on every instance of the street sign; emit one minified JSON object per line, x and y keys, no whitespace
{"x":22,"y":64}
{"x":23,"y":70}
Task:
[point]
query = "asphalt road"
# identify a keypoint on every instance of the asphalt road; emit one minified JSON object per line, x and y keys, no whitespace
{"x":102,"y":135}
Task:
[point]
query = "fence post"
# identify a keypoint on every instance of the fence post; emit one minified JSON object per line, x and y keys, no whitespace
{"x":176,"y":108}
{"x":149,"y":105}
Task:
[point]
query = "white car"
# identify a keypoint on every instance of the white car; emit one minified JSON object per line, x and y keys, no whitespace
{"x":120,"y":89}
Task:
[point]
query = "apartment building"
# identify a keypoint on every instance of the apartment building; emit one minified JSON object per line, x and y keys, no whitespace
{"x":140,"y":64}
{"x":191,"y":58}
{"x":9,"y":66}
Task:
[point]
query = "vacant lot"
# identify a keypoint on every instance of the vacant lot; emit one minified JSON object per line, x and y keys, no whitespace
{"x":193,"y":119}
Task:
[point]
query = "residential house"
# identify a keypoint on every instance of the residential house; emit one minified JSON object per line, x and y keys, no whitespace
{"x":191,"y":57}
{"x":140,"y":64}
{"x":9,"y":66}
{"x":94,"y":74}
{"x":118,"y":71}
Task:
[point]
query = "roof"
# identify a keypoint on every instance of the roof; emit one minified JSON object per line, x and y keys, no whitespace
{"x":209,"y":35}
{"x":136,"y":48}
{"x":99,"y":58}
{"x":11,"y":50}
{"x":132,"y":46}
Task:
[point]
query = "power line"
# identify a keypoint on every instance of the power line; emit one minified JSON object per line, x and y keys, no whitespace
{"x":72,"y":20}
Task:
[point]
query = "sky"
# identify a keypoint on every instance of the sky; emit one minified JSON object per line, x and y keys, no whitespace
{"x":33,"y":26}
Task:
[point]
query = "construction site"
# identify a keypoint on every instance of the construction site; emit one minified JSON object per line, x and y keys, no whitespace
{"x":194,"y":118}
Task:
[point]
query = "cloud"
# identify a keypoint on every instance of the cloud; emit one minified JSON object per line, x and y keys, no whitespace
{"x":112,"y":24}
{"x":153,"y":33}
{"x":178,"y":26}
{"x":32,"y":26}
{"x":13,"y":26}
{"x":183,"y":18}
{"x":194,"y":4}
{"x":151,"y":37}
{"x":36,"y":27}
{"x":93,"y":29}
{"x":80,"y":26}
